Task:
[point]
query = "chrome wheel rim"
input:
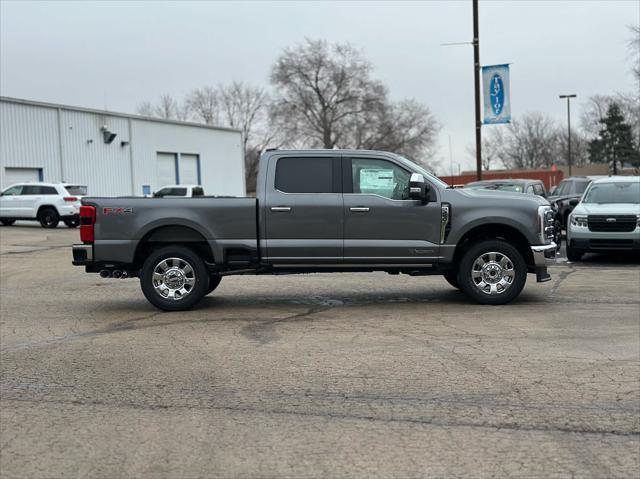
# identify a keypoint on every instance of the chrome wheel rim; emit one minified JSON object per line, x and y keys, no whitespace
{"x":173,"y":279}
{"x":493,"y":273}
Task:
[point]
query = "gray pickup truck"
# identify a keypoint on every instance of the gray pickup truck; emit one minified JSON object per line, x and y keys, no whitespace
{"x":322,"y":211}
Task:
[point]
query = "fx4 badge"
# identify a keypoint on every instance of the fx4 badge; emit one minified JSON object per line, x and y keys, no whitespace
{"x":117,"y":211}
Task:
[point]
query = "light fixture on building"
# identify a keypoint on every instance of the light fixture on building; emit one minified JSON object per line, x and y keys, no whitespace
{"x":124,"y":143}
{"x":108,"y":135}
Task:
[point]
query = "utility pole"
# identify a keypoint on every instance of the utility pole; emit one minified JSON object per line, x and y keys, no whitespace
{"x":476,"y":75}
{"x":568,"y":97}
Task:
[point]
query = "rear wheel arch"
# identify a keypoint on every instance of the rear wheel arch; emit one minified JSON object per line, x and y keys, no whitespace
{"x":173,"y":235}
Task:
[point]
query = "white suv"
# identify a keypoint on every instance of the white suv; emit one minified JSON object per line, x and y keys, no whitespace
{"x":47,"y":203}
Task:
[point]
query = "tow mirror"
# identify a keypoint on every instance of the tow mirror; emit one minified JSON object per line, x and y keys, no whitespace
{"x":418,"y":188}
{"x":574,"y":202}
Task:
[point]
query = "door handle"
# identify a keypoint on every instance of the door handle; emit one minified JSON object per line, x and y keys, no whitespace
{"x":282,"y":209}
{"x":359,"y":209}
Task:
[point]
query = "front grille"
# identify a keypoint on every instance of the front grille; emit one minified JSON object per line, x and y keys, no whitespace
{"x":610,"y":244}
{"x":612,"y":223}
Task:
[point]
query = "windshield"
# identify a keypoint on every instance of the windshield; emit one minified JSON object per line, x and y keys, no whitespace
{"x":419,"y":169}
{"x":76,"y":190}
{"x":618,"y":192}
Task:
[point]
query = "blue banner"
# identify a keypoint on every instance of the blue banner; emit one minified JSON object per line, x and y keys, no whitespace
{"x":495,"y":90}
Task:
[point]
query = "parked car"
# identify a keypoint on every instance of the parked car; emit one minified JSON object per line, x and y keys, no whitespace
{"x":179,"y":191}
{"x":607,"y":218}
{"x":322,"y":211}
{"x":47,"y":203}
{"x":532,"y":187}
{"x":567,"y":194}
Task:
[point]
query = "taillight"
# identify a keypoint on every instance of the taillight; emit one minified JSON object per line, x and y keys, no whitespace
{"x":70,"y":199}
{"x":87,"y":220}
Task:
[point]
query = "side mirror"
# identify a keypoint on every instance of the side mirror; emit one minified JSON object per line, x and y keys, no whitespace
{"x":574,"y":202}
{"x":418,"y":188}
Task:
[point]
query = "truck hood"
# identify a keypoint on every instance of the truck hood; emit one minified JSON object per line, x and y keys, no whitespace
{"x":607,"y":209}
{"x":497,"y":195}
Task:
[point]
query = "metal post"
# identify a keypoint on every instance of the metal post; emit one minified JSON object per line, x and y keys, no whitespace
{"x":476,"y":72}
{"x":568,"y":97}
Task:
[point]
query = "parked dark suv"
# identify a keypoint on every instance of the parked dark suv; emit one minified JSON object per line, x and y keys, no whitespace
{"x":567,"y":195}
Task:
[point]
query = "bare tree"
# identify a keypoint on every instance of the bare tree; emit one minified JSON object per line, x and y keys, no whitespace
{"x":634,"y":50}
{"x":246,"y":108}
{"x":204,"y":105}
{"x":167,"y":107}
{"x":326,"y":97}
{"x":528,"y":142}
{"x":491,"y":146}
{"x":322,"y":87}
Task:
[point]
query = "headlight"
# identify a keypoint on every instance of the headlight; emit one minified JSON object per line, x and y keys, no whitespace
{"x":546,"y":217}
{"x":579,"y":220}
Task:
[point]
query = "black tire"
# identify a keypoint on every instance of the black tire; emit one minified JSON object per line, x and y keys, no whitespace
{"x":200,"y":274}
{"x":515,"y":263}
{"x":452,"y":278}
{"x":72,"y":223}
{"x":48,"y":217}
{"x":557,"y":235}
{"x":574,"y":254}
{"x":214,"y":281}
{"x":7,"y":222}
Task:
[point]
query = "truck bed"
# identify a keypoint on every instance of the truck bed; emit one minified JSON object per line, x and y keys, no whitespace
{"x":226,"y":223}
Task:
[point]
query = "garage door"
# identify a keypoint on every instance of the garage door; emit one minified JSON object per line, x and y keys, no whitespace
{"x":20,"y":175}
{"x":166,"y":169}
{"x":189,"y":169}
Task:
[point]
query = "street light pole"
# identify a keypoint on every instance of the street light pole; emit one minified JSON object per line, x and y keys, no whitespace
{"x":568,"y":97}
{"x":476,"y":74}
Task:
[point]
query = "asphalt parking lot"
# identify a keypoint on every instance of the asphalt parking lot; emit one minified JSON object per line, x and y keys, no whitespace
{"x":342,"y":375}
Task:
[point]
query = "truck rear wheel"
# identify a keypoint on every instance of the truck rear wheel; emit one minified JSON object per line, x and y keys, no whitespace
{"x":452,"y":278}
{"x":492,"y":272}
{"x":174,"y":278}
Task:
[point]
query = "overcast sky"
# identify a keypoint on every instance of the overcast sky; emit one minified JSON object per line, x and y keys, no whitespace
{"x":115,"y":55}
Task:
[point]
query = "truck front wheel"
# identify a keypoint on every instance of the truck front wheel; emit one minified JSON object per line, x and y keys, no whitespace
{"x":174,"y":278}
{"x":492,"y":272}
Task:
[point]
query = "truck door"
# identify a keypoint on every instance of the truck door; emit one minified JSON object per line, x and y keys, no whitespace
{"x":304,"y":210}
{"x":381,"y":224}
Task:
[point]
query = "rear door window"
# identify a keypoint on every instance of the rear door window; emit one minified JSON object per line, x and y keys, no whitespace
{"x":76,"y":190}
{"x":305,"y":175}
{"x":13,"y":191}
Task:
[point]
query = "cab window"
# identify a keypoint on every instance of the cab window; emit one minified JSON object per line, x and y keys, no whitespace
{"x":305,"y":175}
{"x":13,"y":191}
{"x":380,"y":177}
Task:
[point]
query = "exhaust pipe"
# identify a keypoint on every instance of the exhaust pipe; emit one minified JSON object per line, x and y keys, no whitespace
{"x":117,"y":274}
{"x":105,"y":273}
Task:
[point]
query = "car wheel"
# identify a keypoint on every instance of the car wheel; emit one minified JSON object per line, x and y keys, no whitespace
{"x":48,"y":218}
{"x":492,"y":272}
{"x":452,"y":278}
{"x":574,"y":254}
{"x":7,"y":222}
{"x":72,"y":223}
{"x":214,"y":281}
{"x":174,"y":278}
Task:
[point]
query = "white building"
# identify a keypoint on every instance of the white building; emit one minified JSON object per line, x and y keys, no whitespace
{"x":114,"y":153}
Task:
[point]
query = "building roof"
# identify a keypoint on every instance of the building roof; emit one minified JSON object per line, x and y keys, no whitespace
{"x":57,"y":106}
